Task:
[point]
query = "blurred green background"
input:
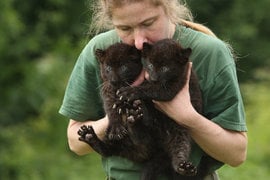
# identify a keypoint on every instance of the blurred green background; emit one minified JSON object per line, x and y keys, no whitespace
{"x":39,"y":44}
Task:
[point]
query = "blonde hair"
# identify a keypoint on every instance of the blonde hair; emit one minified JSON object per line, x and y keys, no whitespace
{"x":198,"y":27}
{"x":177,"y":11}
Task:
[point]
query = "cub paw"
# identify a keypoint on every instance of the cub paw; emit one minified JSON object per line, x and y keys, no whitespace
{"x":126,"y":94}
{"x":116,"y":132}
{"x":86,"y":133}
{"x":135,"y":112}
{"x":187,"y":169}
{"x":119,"y":106}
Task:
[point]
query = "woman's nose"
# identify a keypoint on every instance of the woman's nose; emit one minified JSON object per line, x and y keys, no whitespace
{"x":139,"y":39}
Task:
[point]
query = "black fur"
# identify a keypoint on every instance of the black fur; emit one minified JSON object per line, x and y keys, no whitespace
{"x":127,"y":135}
{"x":137,"y":130}
{"x":166,"y":62}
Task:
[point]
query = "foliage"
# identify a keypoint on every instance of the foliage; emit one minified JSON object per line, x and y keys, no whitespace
{"x":257,"y":102}
{"x":242,"y":23}
{"x":33,"y":30}
{"x":40,"y":41}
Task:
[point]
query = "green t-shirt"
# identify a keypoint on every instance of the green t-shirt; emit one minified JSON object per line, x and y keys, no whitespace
{"x":213,"y":64}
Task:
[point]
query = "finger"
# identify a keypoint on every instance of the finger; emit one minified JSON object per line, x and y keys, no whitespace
{"x":157,"y":105}
{"x":189,"y":70}
{"x":189,"y":66}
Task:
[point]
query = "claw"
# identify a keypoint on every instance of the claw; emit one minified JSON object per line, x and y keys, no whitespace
{"x":120,"y":111}
{"x":127,"y":112}
{"x":79,"y":133}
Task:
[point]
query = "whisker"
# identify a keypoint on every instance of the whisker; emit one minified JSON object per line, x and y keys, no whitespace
{"x":100,"y":86}
{"x":127,"y":83}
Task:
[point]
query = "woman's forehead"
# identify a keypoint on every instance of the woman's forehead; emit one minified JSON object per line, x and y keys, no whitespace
{"x":135,"y":13}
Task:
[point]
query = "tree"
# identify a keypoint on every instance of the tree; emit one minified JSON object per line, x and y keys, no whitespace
{"x":31,"y":31}
{"x":244,"y":24}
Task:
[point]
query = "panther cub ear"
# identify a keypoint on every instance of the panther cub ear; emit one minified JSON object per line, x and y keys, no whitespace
{"x":100,"y":54}
{"x":186,"y":53}
{"x":146,"y":49}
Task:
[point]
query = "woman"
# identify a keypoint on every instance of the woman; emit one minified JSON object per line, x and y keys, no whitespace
{"x":220,"y":133}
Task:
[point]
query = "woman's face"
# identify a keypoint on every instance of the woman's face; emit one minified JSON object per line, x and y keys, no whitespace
{"x":141,"y":22}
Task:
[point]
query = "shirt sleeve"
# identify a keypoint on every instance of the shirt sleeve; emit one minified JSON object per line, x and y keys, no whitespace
{"x":82,"y":99}
{"x":222,"y":100}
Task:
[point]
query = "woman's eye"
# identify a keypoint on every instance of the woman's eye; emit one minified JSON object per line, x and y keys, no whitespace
{"x":148,"y":22}
{"x":124,"y":28}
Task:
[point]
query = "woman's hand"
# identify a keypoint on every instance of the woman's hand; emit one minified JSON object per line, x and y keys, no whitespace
{"x":180,"y":107}
{"x":227,"y":146}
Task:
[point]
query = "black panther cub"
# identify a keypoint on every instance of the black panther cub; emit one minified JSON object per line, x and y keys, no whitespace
{"x":166,"y":62}
{"x":120,"y":65}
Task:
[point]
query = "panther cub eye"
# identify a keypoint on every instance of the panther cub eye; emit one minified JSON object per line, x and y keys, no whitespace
{"x":108,"y":68}
{"x":164,"y":69}
{"x":123,"y":68}
{"x":150,"y":66}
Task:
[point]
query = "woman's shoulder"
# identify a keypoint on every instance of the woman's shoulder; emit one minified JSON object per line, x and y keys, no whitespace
{"x":105,"y":39}
{"x":205,"y":46}
{"x":100,"y":41}
{"x":199,"y":40}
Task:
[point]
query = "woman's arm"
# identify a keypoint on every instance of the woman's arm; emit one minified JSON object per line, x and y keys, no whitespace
{"x":224,"y":145}
{"x":79,"y":147}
